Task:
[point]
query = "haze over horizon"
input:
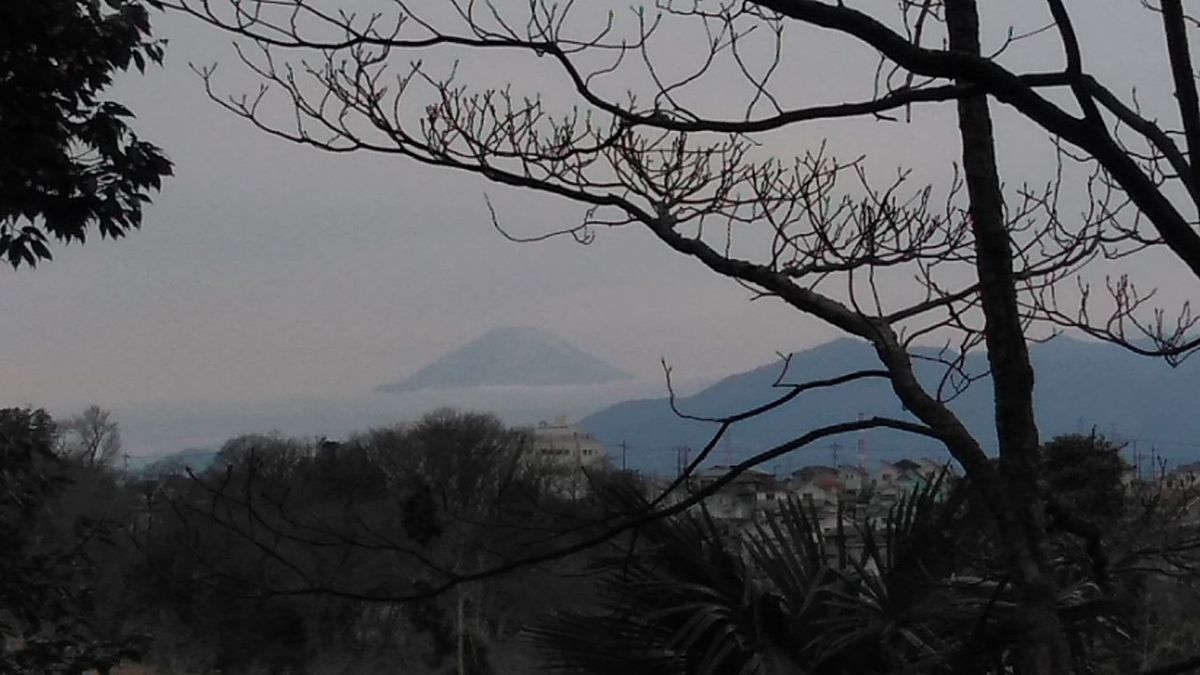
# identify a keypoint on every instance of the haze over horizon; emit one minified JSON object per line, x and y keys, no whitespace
{"x":271,"y":276}
{"x":554,"y":390}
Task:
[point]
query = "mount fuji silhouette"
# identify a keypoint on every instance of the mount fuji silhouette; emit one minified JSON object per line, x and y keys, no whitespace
{"x":510,"y":356}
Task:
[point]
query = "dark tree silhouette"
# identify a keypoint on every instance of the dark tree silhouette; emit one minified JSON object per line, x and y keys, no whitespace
{"x":47,"y":622}
{"x":1089,"y":476}
{"x":91,"y":437}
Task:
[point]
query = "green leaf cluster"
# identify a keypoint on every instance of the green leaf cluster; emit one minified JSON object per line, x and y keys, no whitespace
{"x":69,"y":161}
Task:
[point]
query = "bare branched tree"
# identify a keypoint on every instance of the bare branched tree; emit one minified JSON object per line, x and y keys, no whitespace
{"x":91,"y":437}
{"x":676,"y":119}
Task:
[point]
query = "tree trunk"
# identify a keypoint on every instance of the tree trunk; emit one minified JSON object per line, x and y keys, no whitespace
{"x":462,"y":637}
{"x":1020,"y":516}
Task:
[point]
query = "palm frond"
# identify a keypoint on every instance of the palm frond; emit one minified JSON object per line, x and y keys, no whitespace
{"x":784,"y":597}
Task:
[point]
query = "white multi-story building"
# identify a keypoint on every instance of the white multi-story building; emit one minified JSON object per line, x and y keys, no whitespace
{"x":567,"y":454}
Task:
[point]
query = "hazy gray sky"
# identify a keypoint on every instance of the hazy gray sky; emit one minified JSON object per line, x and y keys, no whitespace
{"x":268,"y":273}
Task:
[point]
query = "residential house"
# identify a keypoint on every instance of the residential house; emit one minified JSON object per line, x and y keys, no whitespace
{"x":745,"y":498}
{"x":853,"y":479}
{"x":1185,"y":475}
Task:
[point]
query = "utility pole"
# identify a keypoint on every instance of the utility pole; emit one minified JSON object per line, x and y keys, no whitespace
{"x":623,"y":449}
{"x":578,"y":468}
{"x":862,"y":446}
{"x":681,"y":459}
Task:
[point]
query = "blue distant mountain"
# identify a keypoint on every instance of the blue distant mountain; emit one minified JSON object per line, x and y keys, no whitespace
{"x":1080,"y":386}
{"x":196,"y":459}
{"x":515,"y":356}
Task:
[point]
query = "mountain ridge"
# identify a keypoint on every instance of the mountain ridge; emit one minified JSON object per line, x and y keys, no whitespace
{"x":1080,"y":385}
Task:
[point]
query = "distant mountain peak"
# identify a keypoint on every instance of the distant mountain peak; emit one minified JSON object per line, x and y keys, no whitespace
{"x":1081,"y":385}
{"x":511,"y":356}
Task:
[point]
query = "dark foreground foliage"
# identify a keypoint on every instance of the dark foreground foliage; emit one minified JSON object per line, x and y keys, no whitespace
{"x":307,"y":556}
{"x":49,"y":576}
{"x":919,"y":591}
